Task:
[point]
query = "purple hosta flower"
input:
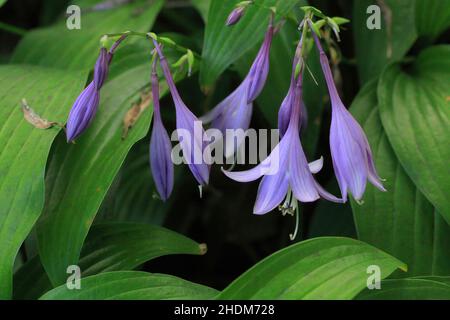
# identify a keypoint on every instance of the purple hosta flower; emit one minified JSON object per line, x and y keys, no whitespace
{"x":85,"y":107}
{"x":160,"y":146}
{"x":192,"y":143}
{"x":235,"y":111}
{"x":235,"y":15}
{"x":237,"y":12}
{"x":350,"y":150}
{"x":286,"y":172}
{"x":284,"y":114}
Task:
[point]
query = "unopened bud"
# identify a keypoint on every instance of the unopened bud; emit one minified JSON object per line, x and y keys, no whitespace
{"x":235,"y":16}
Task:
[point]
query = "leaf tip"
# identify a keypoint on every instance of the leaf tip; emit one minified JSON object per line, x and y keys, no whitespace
{"x":203,"y":248}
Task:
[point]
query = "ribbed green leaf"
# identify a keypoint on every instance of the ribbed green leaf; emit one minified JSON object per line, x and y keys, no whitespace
{"x":79,"y":175}
{"x":412,"y":230}
{"x":415,"y":114}
{"x":124,"y":246}
{"x":445,"y":280}
{"x":432,"y":17}
{"x":60,"y":47}
{"x":49,"y":93}
{"x":109,"y":247}
{"x":376,"y":48}
{"x":132,"y":285}
{"x":409,"y":289}
{"x":223,"y":45}
{"x":132,"y":196}
{"x":313,"y":269}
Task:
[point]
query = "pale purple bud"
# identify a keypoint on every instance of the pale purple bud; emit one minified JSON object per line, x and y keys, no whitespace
{"x":257,"y":75}
{"x":235,"y":15}
{"x":86,"y":105}
{"x":160,"y":146}
{"x":82,"y":112}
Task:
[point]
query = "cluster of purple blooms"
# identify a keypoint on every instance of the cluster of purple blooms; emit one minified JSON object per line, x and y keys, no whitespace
{"x":294,"y":178}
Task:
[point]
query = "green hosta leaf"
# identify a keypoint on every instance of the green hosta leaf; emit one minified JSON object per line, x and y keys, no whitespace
{"x":412,"y":230}
{"x":49,"y":93}
{"x":60,"y":47}
{"x":132,"y":196}
{"x":445,"y":280}
{"x":376,"y":48}
{"x":415,"y":112}
{"x":80,"y":174}
{"x":223,"y":45}
{"x":432,"y":17}
{"x":132,"y":285}
{"x":110,"y":247}
{"x":313,"y":269}
{"x":124,"y":246}
{"x":2,"y":2}
{"x":409,"y":289}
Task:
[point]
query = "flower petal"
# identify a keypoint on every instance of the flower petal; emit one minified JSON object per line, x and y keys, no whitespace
{"x":349,"y":159}
{"x":194,"y":146}
{"x":82,"y":112}
{"x":226,"y":103}
{"x":268,"y":166}
{"x":101,"y":68}
{"x":271,"y":192}
{"x":257,"y":75}
{"x":160,"y":159}
{"x":284,"y":113}
{"x":326,"y":195}
{"x":373,"y":176}
{"x":316,"y":166}
{"x":300,"y":176}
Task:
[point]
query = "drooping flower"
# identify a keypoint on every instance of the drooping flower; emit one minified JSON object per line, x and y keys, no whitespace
{"x":160,"y":147}
{"x":352,"y":157}
{"x":192,"y":144}
{"x":85,"y":107}
{"x":284,"y":113}
{"x":286,"y":172}
{"x":235,"y":111}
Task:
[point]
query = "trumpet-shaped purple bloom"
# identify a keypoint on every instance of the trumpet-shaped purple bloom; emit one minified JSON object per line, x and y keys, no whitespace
{"x":352,"y":157}
{"x":235,"y":111}
{"x":192,"y":143}
{"x":85,"y":107}
{"x":160,"y":146}
{"x":286,"y":172}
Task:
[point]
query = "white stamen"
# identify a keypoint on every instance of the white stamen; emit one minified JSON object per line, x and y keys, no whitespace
{"x":200,"y":189}
{"x":297,"y":223}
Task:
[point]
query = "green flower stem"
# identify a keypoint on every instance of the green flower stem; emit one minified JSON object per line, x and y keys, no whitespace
{"x":163,"y":40}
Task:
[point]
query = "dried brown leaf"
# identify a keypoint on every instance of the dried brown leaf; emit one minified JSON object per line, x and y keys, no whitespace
{"x":135,"y":112}
{"x":32,"y":117}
